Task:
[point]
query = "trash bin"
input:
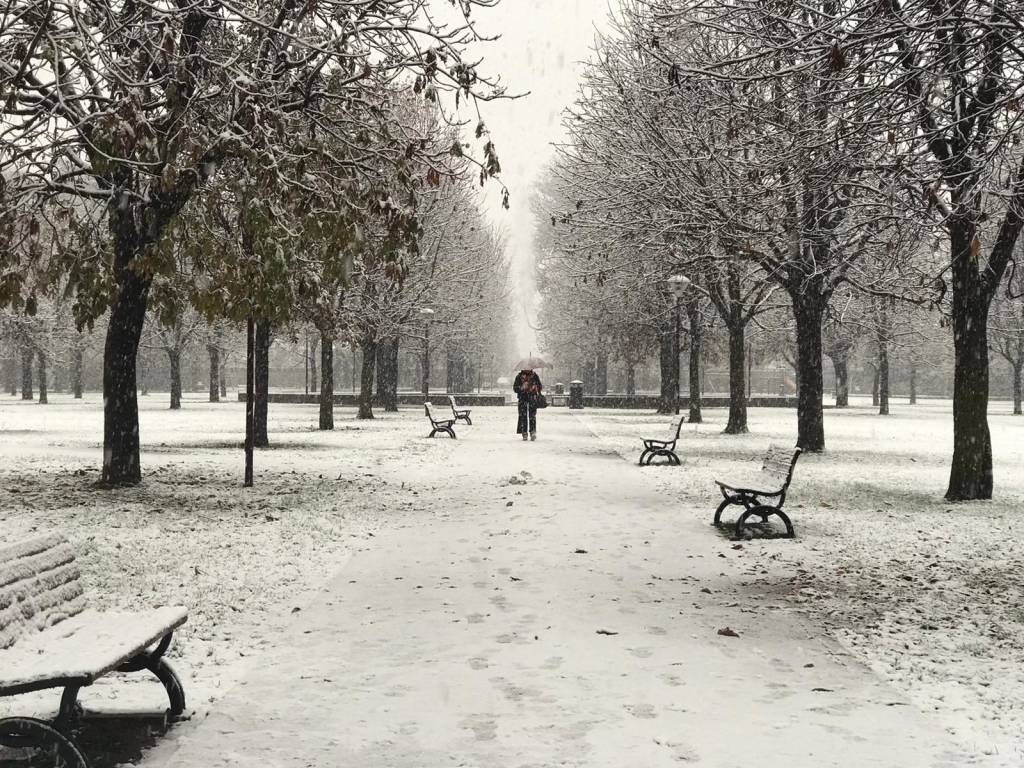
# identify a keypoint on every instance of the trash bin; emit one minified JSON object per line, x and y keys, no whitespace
{"x":559,"y":388}
{"x":576,"y":395}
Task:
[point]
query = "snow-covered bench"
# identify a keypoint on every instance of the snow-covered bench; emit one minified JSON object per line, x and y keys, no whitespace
{"x":50,"y":638}
{"x":439,"y":425}
{"x":667,"y":448}
{"x":764,"y":495}
{"x":460,"y":414}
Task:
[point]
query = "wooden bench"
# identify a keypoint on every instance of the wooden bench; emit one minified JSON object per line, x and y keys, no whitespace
{"x":460,"y":414}
{"x":666,"y":448}
{"x":763,"y":496}
{"x":50,"y":638}
{"x":439,"y":425}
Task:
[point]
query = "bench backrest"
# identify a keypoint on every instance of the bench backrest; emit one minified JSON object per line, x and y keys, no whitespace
{"x":39,"y":586}
{"x":779,"y":463}
{"x":429,"y":407}
{"x":679,"y":430}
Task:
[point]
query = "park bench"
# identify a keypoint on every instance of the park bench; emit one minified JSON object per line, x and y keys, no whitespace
{"x":460,"y":414}
{"x":763,"y":496}
{"x":439,"y":425}
{"x":50,"y":638}
{"x":667,"y":448}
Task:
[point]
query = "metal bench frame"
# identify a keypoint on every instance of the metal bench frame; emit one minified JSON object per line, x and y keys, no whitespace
{"x":757,"y":502}
{"x":439,"y":425}
{"x":460,"y":414}
{"x":58,"y":737}
{"x":667,"y":448}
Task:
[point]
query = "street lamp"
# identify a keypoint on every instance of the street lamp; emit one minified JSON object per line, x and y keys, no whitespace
{"x":428,"y":316}
{"x":677,"y":285}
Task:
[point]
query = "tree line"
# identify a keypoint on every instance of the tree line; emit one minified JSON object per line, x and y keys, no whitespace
{"x":266,"y":164}
{"x":855,"y":166}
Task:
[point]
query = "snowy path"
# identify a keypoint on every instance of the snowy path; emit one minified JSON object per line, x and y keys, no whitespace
{"x":477,"y":639}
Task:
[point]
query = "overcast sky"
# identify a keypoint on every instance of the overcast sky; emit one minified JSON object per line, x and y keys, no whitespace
{"x":542,"y":43}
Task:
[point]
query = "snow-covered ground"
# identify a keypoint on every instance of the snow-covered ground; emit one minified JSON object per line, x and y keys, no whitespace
{"x":926,"y":592}
{"x":240,"y":559}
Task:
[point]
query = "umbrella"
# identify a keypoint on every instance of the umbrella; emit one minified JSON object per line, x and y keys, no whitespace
{"x":530,"y":364}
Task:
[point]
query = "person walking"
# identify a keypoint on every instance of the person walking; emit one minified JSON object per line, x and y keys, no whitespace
{"x":527,"y":387}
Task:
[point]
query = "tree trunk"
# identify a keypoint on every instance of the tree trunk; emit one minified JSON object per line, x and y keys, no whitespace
{"x":913,"y":384}
{"x":313,"y":380}
{"x":214,"y":351}
{"x":630,"y":379}
{"x":970,"y":474}
{"x":841,"y":365}
{"x":737,"y":380}
{"x":696,"y":345}
{"x":368,"y":345}
{"x":808,"y":312}
{"x":250,"y":399}
{"x":601,"y":374}
{"x":76,"y":371}
{"x":27,"y":357}
{"x":11,"y":369}
{"x":42,"y":378}
{"x":223,"y":380}
{"x":669,"y":367}
{"x":121,"y":464}
{"x":261,"y":383}
{"x":174,"y":364}
{"x":875,"y":379}
{"x":326,"y":382}
{"x":882,"y":332}
{"x":1017,"y":388}
{"x":883,"y":378}
{"x":387,"y":375}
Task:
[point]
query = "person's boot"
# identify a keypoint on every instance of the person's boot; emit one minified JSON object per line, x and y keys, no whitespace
{"x":525,"y":437}
{"x":533,"y":436}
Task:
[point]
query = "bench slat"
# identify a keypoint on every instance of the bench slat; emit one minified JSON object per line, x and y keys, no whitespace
{"x":83,"y":648}
{"x":39,"y":586}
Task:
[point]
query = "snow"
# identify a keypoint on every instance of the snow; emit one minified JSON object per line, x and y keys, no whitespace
{"x":85,"y":646}
{"x":39,"y":586}
{"x":238,"y":560}
{"x":395,"y":599}
{"x":925,"y":592}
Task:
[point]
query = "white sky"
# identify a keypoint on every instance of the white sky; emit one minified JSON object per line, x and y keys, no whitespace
{"x":541,"y":46}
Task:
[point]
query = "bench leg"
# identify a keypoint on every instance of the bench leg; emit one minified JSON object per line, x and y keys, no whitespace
{"x":155,"y":662}
{"x":28,"y":733}
{"x":70,"y":711}
{"x":172,"y":684}
{"x":652,"y":453}
{"x":764,"y":511}
{"x":451,"y":433}
{"x":469,"y":421}
{"x":432,"y":432}
{"x":726,"y":503}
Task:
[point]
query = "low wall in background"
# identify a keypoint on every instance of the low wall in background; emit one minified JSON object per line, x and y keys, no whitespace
{"x":642,"y":402}
{"x":651,"y":401}
{"x":352,"y":400}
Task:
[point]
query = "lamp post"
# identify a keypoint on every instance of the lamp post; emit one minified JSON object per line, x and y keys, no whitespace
{"x":677,"y":285}
{"x":428,"y":315}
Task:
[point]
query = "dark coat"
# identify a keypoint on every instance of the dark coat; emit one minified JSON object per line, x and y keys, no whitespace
{"x":527,"y":385}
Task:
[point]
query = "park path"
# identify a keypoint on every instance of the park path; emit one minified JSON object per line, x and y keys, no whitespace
{"x":568,"y":620}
